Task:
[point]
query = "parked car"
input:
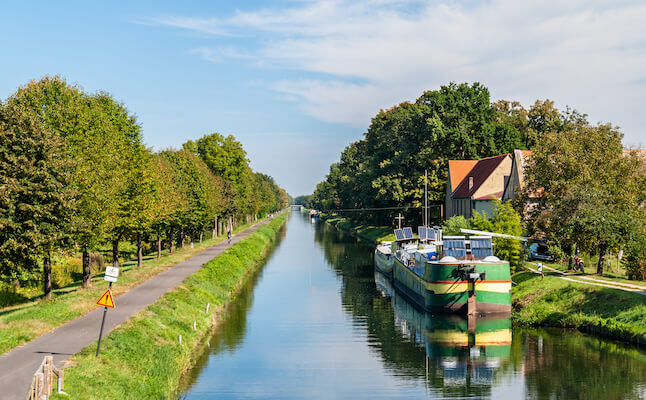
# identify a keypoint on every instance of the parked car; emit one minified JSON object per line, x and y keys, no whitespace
{"x":539,"y":251}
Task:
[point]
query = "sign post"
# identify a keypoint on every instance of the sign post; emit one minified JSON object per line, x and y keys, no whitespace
{"x":106,"y":300}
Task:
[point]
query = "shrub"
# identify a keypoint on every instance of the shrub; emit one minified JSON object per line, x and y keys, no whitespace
{"x":635,"y":259}
{"x":453,"y":225}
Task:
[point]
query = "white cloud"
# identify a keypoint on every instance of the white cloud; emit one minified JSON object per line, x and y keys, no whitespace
{"x":367,"y":55}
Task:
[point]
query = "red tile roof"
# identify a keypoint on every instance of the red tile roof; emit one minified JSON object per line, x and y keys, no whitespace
{"x":458,"y":169}
{"x":480,"y":172}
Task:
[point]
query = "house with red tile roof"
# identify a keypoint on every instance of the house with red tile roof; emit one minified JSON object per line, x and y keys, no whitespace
{"x":473,"y":184}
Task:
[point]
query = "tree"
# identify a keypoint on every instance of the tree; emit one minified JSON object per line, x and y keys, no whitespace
{"x":589,"y":193}
{"x":200,"y":189}
{"x":37,"y":202}
{"x":504,"y":219}
{"x":453,"y":225}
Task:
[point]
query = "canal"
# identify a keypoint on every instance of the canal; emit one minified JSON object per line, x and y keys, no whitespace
{"x":316,"y":322}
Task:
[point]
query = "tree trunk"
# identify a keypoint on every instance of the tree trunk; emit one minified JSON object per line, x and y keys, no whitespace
{"x":140,"y":251}
{"x":191,"y":239}
{"x":201,"y":235}
{"x":47,"y":271}
{"x":171,"y":239}
{"x":86,"y":268}
{"x":159,"y":242}
{"x":181,"y":237}
{"x":215,"y":227}
{"x":115,"y":253}
{"x":602,"y":253}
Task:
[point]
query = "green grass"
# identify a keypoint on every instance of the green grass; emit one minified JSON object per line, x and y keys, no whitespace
{"x":373,"y":234}
{"x":143,"y":359}
{"x":555,"y":302}
{"x":34,"y":316}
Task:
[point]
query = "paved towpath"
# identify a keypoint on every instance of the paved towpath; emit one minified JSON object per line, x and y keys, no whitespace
{"x":587,"y":280}
{"x":18,"y":366}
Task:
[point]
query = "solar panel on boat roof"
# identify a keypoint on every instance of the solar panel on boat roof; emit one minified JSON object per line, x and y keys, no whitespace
{"x":431,"y":233}
{"x":481,"y":247}
{"x":421,"y":232}
{"x":455,"y":248}
{"x":399,"y":234}
{"x":408,"y":233}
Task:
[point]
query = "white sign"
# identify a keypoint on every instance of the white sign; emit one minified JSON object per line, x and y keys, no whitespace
{"x":111,"y":274}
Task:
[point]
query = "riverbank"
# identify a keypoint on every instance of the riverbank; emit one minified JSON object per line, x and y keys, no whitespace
{"x":22,"y":323}
{"x":608,"y":312}
{"x":372,"y":234}
{"x":554,"y":302}
{"x":147,"y":356}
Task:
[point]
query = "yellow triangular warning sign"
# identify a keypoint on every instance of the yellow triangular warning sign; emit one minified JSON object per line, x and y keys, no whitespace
{"x":106,"y":299}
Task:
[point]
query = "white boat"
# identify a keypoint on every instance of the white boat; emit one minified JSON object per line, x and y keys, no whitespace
{"x":383,"y":258}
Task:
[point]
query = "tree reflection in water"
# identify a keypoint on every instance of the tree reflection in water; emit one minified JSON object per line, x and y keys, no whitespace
{"x":456,"y":361}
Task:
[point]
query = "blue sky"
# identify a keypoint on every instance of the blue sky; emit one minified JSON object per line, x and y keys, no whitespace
{"x":296,"y":81}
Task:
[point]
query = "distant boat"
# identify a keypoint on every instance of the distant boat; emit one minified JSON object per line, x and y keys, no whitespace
{"x":314,"y":216}
{"x":383,"y":258}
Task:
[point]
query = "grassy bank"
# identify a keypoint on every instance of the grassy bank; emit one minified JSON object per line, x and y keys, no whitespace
{"x":36,"y":316}
{"x":555,"y":302}
{"x":373,"y":234}
{"x":143,"y":358}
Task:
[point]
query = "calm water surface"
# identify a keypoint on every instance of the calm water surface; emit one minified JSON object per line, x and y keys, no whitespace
{"x":316,"y":322}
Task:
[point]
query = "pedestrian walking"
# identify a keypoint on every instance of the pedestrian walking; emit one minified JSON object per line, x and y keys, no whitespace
{"x":540,"y":270}
{"x":229,"y":235}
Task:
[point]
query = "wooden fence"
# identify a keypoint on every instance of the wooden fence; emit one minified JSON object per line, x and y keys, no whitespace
{"x":42,"y":383}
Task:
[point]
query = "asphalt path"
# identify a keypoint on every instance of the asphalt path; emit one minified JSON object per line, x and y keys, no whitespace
{"x":19,"y":365}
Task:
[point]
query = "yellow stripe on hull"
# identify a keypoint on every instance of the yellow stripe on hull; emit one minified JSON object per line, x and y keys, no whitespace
{"x":483,"y":286}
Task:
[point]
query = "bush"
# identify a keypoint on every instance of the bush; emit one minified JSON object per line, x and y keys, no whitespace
{"x":66,"y":270}
{"x":556,"y":252}
{"x":453,"y":225}
{"x":97,"y":262}
{"x":635,"y":259}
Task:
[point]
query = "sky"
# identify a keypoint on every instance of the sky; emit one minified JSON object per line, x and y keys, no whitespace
{"x":297,"y":81}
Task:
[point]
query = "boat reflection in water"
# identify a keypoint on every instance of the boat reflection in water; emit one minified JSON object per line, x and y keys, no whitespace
{"x":463,"y":351}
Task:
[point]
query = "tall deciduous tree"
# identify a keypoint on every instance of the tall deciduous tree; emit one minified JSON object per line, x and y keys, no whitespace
{"x":37,"y":202}
{"x":590,"y":193}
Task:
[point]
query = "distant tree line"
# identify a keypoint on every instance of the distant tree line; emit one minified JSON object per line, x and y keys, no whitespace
{"x":75,"y":174}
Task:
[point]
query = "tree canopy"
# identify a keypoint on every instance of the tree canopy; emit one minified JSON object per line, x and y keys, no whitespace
{"x":386,"y":168}
{"x":587,"y":192}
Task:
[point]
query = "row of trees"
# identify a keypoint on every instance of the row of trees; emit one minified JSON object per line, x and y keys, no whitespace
{"x":458,"y":121}
{"x":74,"y":174}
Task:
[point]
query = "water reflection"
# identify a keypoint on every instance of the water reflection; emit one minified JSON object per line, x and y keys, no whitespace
{"x":462,"y":355}
{"x":317,"y":322}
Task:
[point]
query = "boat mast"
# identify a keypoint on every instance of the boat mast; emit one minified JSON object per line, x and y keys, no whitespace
{"x":426,"y":198}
